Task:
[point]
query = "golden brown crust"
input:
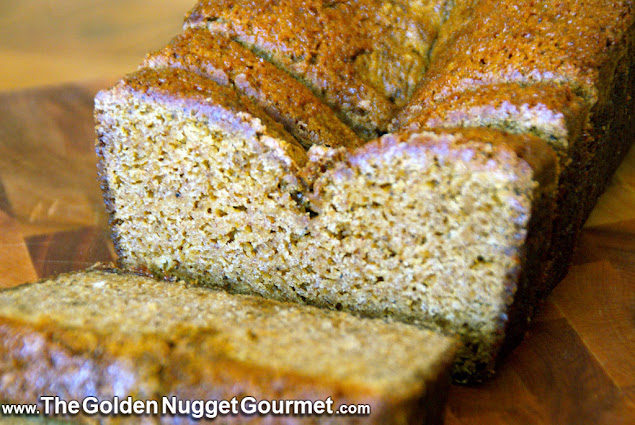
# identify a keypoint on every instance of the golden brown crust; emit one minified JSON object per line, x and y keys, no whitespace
{"x":605,"y":138}
{"x":286,"y":100}
{"x":364,"y":57}
{"x":551,"y":112}
{"x":575,"y":43}
{"x":48,"y":354}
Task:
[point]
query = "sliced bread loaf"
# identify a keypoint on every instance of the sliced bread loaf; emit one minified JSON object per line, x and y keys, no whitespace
{"x":218,"y":195}
{"x":448,"y":222}
{"x":106,"y":334}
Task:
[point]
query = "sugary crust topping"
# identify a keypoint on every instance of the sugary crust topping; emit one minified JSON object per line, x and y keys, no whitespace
{"x":491,"y":60}
{"x":487,"y":42}
{"x":549,"y":111}
{"x":229,"y":64}
{"x":200,"y":95}
{"x":363,"y":57}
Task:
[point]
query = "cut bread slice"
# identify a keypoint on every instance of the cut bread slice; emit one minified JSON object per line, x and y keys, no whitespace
{"x":437,"y":224}
{"x":107,"y":334}
{"x":549,"y":111}
{"x":441,"y":229}
{"x":589,"y":143}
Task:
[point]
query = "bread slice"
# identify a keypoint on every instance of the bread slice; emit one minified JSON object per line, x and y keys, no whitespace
{"x":104,"y":333}
{"x":549,"y":111}
{"x":381,"y":230}
{"x":564,"y":73}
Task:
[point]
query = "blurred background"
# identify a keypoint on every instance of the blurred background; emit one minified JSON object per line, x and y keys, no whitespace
{"x":48,"y":42}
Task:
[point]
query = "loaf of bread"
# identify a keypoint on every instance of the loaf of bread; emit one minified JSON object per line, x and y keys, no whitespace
{"x":107,"y":334}
{"x":430,"y":161}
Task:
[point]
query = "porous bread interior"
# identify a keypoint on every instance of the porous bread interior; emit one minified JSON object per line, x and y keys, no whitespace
{"x":426,"y":234}
{"x":302,"y":340}
{"x":189,"y":175}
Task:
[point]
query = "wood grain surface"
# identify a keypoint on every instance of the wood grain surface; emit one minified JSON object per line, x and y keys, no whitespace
{"x":575,"y":366}
{"x":46,"y":42}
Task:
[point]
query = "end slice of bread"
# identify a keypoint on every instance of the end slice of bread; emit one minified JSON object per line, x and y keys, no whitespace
{"x":104,"y":333}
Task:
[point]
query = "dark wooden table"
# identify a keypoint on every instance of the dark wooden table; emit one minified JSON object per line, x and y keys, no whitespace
{"x":576,"y":365}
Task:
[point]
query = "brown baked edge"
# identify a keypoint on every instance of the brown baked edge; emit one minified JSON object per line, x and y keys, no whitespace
{"x":47,"y":359}
{"x":598,"y":152}
{"x":543,"y":160}
{"x":604,"y":142}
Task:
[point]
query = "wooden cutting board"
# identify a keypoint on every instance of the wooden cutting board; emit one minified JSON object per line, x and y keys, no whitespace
{"x":575,"y":366}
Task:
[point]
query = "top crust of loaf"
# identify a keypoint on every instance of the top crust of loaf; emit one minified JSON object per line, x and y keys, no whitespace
{"x":363,"y":57}
{"x":486,"y":42}
{"x":552,"y":112}
{"x":228,"y":63}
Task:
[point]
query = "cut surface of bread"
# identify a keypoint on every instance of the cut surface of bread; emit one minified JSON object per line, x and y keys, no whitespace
{"x":380,"y":230}
{"x":108,"y":334}
{"x":496,"y":109}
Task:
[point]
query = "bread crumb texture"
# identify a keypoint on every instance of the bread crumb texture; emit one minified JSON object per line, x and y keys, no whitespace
{"x":223,"y":159}
{"x":425,"y":228}
{"x":109,"y":333}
